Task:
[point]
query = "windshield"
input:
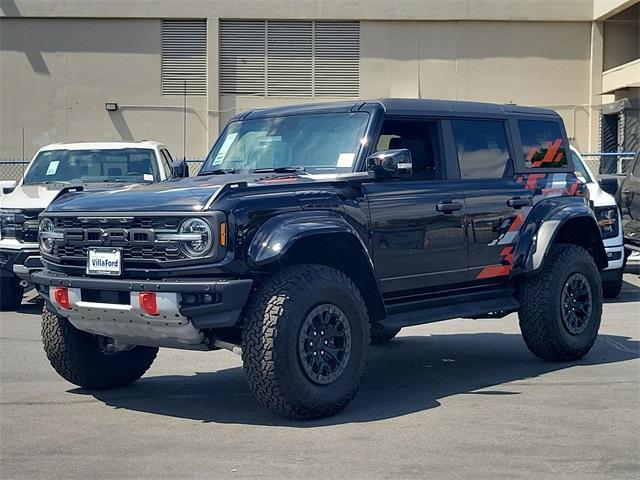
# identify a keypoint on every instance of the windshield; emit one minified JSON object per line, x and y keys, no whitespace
{"x":87,"y":166}
{"x":317,"y":143}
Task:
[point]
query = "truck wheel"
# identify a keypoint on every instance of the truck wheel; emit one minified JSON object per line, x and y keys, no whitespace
{"x":305,"y":343}
{"x":561,"y":305}
{"x":91,"y":361}
{"x":381,"y":335}
{"x":611,"y":288}
{"x":11,"y":293}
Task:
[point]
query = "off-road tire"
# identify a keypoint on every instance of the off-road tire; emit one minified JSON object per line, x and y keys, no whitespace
{"x":540,"y":296}
{"x":11,"y":293}
{"x":381,"y":335}
{"x":611,"y":288}
{"x":75,"y":355}
{"x":271,"y":334}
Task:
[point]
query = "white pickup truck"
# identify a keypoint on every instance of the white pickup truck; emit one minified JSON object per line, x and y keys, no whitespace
{"x":609,"y":219}
{"x":104,"y":165}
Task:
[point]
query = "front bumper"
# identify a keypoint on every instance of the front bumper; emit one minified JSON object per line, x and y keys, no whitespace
{"x":21,"y":263}
{"x":615,"y":256}
{"x":110,"y":307}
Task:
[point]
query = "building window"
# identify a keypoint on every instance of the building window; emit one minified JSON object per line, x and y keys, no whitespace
{"x":290,"y":58}
{"x":184,"y":57}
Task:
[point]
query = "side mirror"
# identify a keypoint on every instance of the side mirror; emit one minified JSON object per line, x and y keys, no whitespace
{"x":391,"y":163}
{"x":609,"y":184}
{"x":180,"y":169}
{"x":8,"y":187}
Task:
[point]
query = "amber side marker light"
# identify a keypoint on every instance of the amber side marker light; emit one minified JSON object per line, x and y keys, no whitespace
{"x":148,"y":303}
{"x":61,"y":296}
{"x":223,"y":234}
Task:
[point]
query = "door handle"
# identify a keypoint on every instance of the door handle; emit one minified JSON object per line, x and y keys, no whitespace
{"x":448,"y":206}
{"x":517,"y":202}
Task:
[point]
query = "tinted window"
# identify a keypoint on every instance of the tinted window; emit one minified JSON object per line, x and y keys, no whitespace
{"x":482,"y":147}
{"x":421,"y":138}
{"x":542,"y":144}
{"x":167,"y":163}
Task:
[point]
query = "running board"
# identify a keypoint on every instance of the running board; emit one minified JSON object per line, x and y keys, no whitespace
{"x":491,"y":308}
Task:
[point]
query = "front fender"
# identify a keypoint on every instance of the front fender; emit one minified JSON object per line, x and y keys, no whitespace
{"x":279,"y":233}
{"x":541,"y":229}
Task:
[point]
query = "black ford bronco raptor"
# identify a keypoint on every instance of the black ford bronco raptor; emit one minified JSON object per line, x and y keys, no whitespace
{"x":312,"y":231}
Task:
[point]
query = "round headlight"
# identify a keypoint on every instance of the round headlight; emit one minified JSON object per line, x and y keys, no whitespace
{"x":200,"y":231}
{"x":46,"y":243}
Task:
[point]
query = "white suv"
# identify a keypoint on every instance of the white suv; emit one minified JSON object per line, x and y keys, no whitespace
{"x":104,"y":165}
{"x":608,"y":215}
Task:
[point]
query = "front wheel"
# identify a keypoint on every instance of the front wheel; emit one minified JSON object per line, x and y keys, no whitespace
{"x":92,"y":361}
{"x":306,"y":341}
{"x":561,"y":305}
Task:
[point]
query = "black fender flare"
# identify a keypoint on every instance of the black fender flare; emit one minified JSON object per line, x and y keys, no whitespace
{"x":279,"y":233}
{"x":542,"y":226}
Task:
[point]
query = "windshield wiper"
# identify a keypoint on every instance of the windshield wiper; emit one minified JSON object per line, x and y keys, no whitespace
{"x":49,"y":182}
{"x":218,"y":171}
{"x":298,"y":169}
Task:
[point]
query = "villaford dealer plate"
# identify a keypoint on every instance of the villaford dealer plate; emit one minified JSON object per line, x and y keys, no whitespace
{"x":104,"y":261}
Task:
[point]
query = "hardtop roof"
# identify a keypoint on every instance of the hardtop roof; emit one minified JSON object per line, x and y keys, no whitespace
{"x":401,"y":106}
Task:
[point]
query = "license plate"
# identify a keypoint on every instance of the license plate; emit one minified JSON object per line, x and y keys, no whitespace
{"x":104,"y":261}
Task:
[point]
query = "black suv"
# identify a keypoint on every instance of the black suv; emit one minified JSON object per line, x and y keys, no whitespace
{"x":312,"y":231}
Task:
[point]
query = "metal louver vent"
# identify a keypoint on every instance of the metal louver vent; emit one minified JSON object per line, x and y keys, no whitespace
{"x":337,"y":59}
{"x":184,"y":57}
{"x":290,"y":58}
{"x":242,"y":57}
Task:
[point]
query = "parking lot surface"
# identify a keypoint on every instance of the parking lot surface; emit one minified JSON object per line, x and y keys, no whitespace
{"x":456,"y":399}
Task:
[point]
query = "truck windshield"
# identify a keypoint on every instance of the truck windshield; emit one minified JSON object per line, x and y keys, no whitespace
{"x":128,"y":165}
{"x":315,"y":143}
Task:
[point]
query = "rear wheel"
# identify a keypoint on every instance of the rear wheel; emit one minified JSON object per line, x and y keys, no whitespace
{"x":561,"y":305}
{"x":11,"y":293}
{"x":92,"y":361}
{"x":306,"y":341}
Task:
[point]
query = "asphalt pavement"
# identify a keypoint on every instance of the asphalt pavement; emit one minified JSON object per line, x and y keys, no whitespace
{"x":457,"y":399}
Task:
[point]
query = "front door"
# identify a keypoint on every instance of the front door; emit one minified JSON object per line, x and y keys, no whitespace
{"x":417,"y":223}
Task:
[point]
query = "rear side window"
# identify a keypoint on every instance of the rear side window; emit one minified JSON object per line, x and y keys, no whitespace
{"x":542,"y":144}
{"x":482,"y":147}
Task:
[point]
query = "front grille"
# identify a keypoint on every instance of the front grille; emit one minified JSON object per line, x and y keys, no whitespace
{"x":136,"y":236}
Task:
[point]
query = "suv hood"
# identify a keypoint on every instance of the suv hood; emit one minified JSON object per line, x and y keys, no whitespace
{"x":178,"y":195}
{"x":29,"y":197}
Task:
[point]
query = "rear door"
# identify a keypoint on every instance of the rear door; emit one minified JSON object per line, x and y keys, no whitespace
{"x":416,"y":228}
{"x":496,"y":202}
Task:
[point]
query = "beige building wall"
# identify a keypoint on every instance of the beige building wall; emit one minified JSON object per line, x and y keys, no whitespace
{"x":57,"y":74}
{"x":529,"y":63}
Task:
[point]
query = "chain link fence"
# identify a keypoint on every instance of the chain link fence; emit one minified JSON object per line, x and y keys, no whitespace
{"x":610,"y":163}
{"x":599,"y":163}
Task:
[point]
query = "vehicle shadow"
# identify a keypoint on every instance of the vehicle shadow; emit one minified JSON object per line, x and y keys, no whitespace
{"x":408,"y":375}
{"x":629,"y":293}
